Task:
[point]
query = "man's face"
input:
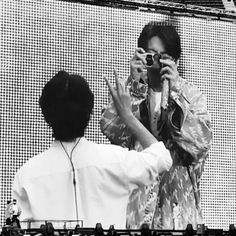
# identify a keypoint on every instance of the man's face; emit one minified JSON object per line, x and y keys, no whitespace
{"x":156,"y":47}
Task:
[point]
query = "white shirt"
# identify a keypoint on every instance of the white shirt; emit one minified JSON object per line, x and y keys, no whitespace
{"x":105,"y":176}
{"x":14,"y":209}
{"x":154,"y":109}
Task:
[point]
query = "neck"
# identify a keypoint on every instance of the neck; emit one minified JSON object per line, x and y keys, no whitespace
{"x":69,"y":146}
{"x":74,"y":140}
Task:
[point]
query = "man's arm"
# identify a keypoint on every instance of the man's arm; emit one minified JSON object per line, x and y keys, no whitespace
{"x":189,"y":121}
{"x":122,"y":103}
{"x":111,"y":124}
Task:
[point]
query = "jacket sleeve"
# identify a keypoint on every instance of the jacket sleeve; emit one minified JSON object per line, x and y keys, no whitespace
{"x":189,"y":121}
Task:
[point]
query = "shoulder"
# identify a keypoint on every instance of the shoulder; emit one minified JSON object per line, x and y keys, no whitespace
{"x":99,"y":153}
{"x":34,"y":166}
{"x":190,"y":91}
{"x":103,"y":148}
{"x":188,"y":85}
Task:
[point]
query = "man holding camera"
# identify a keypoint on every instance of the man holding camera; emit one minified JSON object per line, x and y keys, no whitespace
{"x":175,"y":111}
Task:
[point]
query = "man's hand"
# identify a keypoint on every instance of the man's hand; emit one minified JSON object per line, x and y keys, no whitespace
{"x":122,"y":102}
{"x":121,"y":98}
{"x":169,"y":71}
{"x":137,"y":64}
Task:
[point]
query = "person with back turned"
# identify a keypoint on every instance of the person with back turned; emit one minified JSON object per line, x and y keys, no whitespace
{"x":76,"y":179}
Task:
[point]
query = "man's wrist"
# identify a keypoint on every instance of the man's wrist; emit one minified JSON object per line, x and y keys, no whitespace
{"x":128,"y":118}
{"x":176,"y":90}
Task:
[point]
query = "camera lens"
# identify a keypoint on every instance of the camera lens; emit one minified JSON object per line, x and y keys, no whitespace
{"x":149,"y":60}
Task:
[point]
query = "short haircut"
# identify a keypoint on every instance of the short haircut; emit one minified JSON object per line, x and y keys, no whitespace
{"x":168,"y":35}
{"x":67,"y":103}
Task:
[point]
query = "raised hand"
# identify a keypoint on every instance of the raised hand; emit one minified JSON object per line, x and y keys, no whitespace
{"x":121,"y":97}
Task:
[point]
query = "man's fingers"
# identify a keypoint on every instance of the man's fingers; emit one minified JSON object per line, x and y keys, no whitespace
{"x":139,"y":57}
{"x":140,"y":50}
{"x":165,"y":70}
{"x":120,"y":84}
{"x":111,"y":89}
{"x":116,"y":79}
{"x":126,"y":88}
{"x":139,"y":68}
{"x":168,"y":62}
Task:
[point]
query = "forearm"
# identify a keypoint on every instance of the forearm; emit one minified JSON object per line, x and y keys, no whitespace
{"x":114,"y":128}
{"x":121,"y":128}
{"x":139,"y":132}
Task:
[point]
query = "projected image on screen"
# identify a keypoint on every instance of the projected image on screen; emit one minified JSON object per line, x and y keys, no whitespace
{"x":37,"y":42}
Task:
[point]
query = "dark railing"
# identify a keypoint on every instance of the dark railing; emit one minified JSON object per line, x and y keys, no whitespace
{"x":48,"y":229}
{"x":168,"y":7}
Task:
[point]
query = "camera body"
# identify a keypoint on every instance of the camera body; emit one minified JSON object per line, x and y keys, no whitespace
{"x":153,"y":58}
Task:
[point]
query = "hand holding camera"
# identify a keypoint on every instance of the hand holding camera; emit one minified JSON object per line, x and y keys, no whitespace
{"x":163,"y":66}
{"x":159,"y":70}
{"x":153,"y":59}
{"x":169,"y":71}
{"x":137,"y":64}
{"x":142,"y":61}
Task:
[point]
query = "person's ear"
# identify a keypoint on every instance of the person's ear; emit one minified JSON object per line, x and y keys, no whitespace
{"x":177,"y":62}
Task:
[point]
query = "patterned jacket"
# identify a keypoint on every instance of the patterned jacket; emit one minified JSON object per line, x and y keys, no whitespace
{"x":185,"y":129}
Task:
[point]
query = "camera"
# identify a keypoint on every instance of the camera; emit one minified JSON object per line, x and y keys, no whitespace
{"x":153,"y":58}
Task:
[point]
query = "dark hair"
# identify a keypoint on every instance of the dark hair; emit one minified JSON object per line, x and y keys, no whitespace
{"x":168,"y":35}
{"x":67,"y":103}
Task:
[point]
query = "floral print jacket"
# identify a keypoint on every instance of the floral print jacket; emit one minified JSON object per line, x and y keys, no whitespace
{"x":173,"y":201}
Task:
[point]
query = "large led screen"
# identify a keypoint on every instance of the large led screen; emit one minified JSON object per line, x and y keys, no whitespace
{"x":39,"y":38}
